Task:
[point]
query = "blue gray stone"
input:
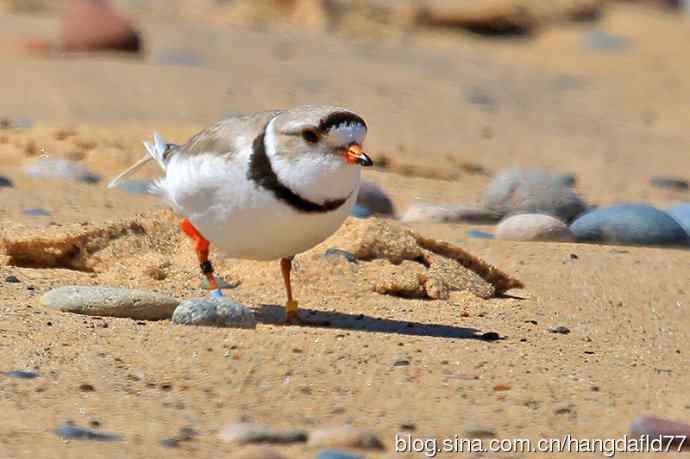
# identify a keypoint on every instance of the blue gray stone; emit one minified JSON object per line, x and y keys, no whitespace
{"x":72,"y":432}
{"x":36,"y":212}
{"x":533,"y":191}
{"x":21,"y":374}
{"x":373,"y":198}
{"x":178,"y":57}
{"x":113,"y":302}
{"x":6,"y":182}
{"x":246,"y":432}
{"x":601,"y":40}
{"x":637,"y":224}
{"x":361,"y":211}
{"x":214,"y":311}
{"x":334,"y":252}
{"x":60,"y":168}
{"x":135,"y":186}
{"x":481,"y":98}
{"x":479,"y":234}
{"x":681,"y":213}
{"x":337,"y":454}
{"x":671,"y":183}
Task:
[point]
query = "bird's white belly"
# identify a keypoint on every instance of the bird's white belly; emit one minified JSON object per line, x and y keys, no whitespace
{"x":241,"y":219}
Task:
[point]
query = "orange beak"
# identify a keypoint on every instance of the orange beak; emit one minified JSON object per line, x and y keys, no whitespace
{"x":355,"y":155}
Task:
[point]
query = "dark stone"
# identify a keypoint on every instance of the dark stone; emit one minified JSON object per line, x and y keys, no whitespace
{"x":21,"y":374}
{"x":72,"y":432}
{"x":335,"y":252}
{"x":560,"y":329}
{"x":6,"y":182}
{"x":672,"y":183}
{"x":490,"y":336}
{"x":12,"y":279}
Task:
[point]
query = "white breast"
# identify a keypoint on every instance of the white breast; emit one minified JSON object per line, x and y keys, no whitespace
{"x":245,"y":221}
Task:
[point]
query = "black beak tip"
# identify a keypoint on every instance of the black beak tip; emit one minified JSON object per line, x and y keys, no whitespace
{"x":365,"y":161}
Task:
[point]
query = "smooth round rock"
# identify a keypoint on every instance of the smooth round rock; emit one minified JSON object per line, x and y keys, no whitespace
{"x":60,"y":168}
{"x":372,"y":197}
{"x":113,"y":302}
{"x":681,"y":214}
{"x":447,"y":213}
{"x":246,"y":432}
{"x":344,"y":437}
{"x":533,"y":227}
{"x":36,"y":212}
{"x":337,"y":454}
{"x":637,"y":224}
{"x":94,"y":25}
{"x":532,"y":191}
{"x":655,"y":427}
{"x":214,"y":311}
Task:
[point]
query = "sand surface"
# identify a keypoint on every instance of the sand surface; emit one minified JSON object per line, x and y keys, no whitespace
{"x":612,"y":118}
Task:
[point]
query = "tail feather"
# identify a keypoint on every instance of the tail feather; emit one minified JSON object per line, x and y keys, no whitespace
{"x":155,"y":151}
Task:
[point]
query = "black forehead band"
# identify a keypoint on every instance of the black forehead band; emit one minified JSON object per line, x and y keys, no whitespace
{"x":338,"y":118}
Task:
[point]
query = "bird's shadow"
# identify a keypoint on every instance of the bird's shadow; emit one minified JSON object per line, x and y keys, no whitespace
{"x":275,"y":315}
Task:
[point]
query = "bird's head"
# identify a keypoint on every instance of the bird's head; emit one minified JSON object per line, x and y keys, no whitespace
{"x":334,"y":134}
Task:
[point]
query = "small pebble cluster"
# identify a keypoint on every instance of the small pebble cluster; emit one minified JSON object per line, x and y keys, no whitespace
{"x":540,"y":205}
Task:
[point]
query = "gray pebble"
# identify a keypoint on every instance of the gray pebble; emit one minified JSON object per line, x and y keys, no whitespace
{"x":178,"y":57}
{"x":654,"y":427}
{"x":6,"y":182}
{"x":560,"y":329}
{"x":373,"y":198}
{"x":70,"y":432}
{"x":222,"y":283}
{"x":401,"y":362}
{"x":479,"y":234}
{"x":533,"y":227}
{"x":345,"y":437}
{"x":473,"y":430}
{"x":600,"y":40}
{"x":681,"y":214}
{"x":36,"y":212}
{"x":361,"y":211}
{"x":60,"y":168}
{"x":482,"y":98}
{"x":637,"y":224}
{"x":12,"y":279}
{"x":447,"y":213}
{"x":113,"y":302}
{"x":334,"y":252}
{"x":136,"y":186}
{"x":21,"y":374}
{"x":219,"y":312}
{"x":672,"y":183}
{"x":537,"y":191}
{"x":244,"y":432}
{"x":337,"y":454}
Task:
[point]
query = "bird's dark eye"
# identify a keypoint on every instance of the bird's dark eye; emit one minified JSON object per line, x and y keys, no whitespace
{"x":310,"y":136}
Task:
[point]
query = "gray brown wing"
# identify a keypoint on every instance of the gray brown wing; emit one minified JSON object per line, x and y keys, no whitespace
{"x":220,"y":137}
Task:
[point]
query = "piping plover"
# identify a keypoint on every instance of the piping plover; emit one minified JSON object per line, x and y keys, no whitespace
{"x":263,"y":186}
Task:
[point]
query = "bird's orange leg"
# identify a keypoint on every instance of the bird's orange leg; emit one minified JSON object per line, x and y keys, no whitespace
{"x":202,"y":249}
{"x":291,"y":306}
